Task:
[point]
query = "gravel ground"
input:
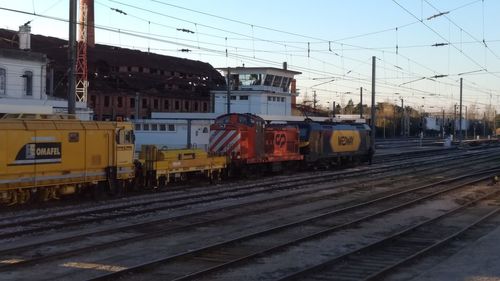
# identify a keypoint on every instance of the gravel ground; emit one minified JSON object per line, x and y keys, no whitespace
{"x":479,"y":261}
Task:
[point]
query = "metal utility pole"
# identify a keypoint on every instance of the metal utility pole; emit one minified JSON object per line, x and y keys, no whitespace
{"x":72,"y":58}
{"x":484,"y":124}
{"x":466,"y":119}
{"x":455,"y":121}
{"x":373,"y":107}
{"x":442,"y":125}
{"x":334,"y":109}
{"x":495,"y":124}
{"x":361,"y":102}
{"x":228,"y":91}
{"x":460,"y":112}
{"x":315,"y":99}
{"x":402,"y":118}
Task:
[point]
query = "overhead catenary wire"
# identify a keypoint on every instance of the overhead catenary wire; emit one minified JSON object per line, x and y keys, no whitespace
{"x":299,"y":34}
{"x":442,"y":37}
{"x":285,"y":46}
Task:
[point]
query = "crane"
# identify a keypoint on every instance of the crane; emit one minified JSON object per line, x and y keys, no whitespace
{"x":85,"y":39}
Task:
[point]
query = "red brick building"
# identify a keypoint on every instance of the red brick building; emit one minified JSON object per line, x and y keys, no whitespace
{"x":124,"y":82}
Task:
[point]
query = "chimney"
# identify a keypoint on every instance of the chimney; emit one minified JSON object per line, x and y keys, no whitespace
{"x":293,"y":90}
{"x":89,"y":4}
{"x":285,"y":65}
{"x":24,"y":37}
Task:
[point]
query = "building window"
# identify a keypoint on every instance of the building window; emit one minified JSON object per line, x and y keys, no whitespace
{"x":250,"y":79}
{"x":171,"y":127}
{"x":163,"y":127}
{"x":166,"y":105}
{"x":277,"y":81}
{"x":243,"y":97}
{"x":154,"y":127}
{"x":144,"y":103}
{"x":155,"y":103}
{"x":93,"y":100}
{"x":196,"y":106}
{"x":284,"y":84}
{"x":269,"y":98}
{"x":3,"y":81}
{"x":186,"y":105}
{"x":177,"y":105}
{"x":233,"y":97}
{"x":137,"y":127}
{"x":106,"y":101}
{"x":132,"y":102}
{"x":28,"y":83}
{"x":205,"y":107}
{"x":119,"y":100}
{"x":145,"y":127}
{"x":269,"y":80}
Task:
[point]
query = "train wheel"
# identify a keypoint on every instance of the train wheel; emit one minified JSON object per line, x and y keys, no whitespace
{"x":215,"y":177}
{"x":23,"y":196}
{"x":42,"y":195}
{"x":120,"y":188}
{"x":99,"y":191}
{"x":13,"y":198}
{"x":162,"y":182}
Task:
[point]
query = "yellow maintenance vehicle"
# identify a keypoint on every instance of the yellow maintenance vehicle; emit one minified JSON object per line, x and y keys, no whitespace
{"x":160,"y":166}
{"x":45,"y":156}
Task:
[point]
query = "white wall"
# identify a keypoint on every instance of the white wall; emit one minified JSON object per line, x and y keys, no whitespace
{"x":15,"y":68}
{"x":257,"y":103}
{"x":16,"y":101}
{"x":200,"y":133}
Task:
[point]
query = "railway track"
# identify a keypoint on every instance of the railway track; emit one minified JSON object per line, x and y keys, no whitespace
{"x":204,"y":261}
{"x":379,"y":259}
{"x":115,"y":237}
{"x":20,"y":226}
{"x":21,"y":264}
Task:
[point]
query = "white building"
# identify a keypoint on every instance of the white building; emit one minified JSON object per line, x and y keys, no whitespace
{"x":257,"y":90}
{"x":23,"y":78}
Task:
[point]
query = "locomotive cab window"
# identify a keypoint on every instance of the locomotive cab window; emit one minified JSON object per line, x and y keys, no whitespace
{"x":125,"y":136}
{"x":129,"y":137}
{"x":223,"y":120}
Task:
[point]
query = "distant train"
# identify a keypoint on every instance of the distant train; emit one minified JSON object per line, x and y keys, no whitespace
{"x":47,"y":156}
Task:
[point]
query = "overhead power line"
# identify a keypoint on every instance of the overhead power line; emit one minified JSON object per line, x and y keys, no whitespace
{"x":442,"y":37}
{"x":141,"y":35}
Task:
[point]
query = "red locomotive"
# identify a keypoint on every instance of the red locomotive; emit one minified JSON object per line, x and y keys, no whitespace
{"x":250,"y":143}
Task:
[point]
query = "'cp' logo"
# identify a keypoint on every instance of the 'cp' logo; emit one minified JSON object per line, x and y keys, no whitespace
{"x":280,"y":140}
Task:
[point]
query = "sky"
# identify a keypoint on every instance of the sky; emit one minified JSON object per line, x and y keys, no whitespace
{"x":331,"y":42}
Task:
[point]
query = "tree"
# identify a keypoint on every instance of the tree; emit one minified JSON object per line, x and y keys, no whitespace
{"x":338,"y":109}
{"x":349,"y":108}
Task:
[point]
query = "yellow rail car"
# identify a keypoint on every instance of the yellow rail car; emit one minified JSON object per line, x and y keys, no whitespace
{"x":163,"y":166}
{"x":53,"y":155}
